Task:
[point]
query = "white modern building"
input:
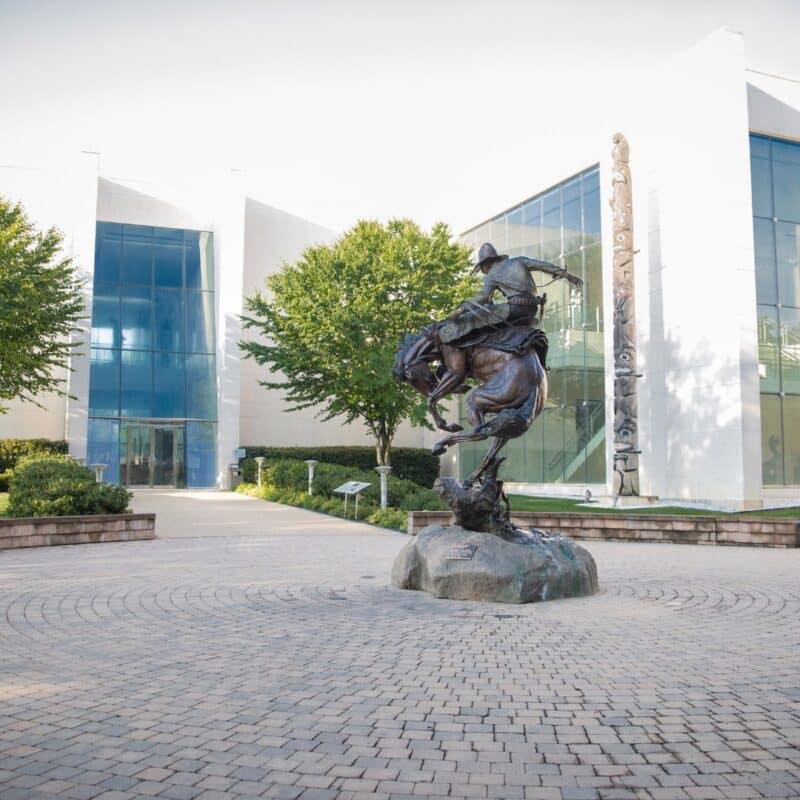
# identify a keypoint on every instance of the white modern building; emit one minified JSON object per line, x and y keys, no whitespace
{"x":715,"y":163}
{"x":159,"y":392}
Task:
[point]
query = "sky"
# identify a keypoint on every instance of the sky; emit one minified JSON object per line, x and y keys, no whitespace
{"x":339,"y":110}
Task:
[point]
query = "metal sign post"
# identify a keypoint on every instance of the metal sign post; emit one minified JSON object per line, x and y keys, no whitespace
{"x":351,"y":488}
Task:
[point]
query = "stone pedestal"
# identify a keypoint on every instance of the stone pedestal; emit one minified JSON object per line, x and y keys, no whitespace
{"x":451,"y":562}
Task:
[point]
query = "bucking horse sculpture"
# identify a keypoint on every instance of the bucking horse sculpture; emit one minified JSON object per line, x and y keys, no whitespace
{"x":497,"y":345}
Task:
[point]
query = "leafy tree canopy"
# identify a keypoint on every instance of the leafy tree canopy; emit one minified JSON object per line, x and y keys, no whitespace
{"x":332,"y":322}
{"x":40,"y":304}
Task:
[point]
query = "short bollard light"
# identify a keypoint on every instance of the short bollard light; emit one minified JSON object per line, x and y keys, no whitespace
{"x":311,"y":463}
{"x":260,"y":461}
{"x":384,"y":473}
{"x":99,"y":469}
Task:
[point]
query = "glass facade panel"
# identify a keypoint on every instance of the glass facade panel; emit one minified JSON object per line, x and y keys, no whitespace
{"x":766,"y":271}
{"x":791,"y":439}
{"x":786,"y":250}
{"x":771,"y":440}
{"x":776,"y":218}
{"x":200,"y":322}
{"x":790,"y":350}
{"x":137,"y":383}
{"x":201,"y":386}
{"x":107,"y":254}
{"x":768,"y":350}
{"x":200,"y":454}
{"x":169,"y":385}
{"x":103,"y":447}
{"x":152,"y":372}
{"x":137,"y":318}
{"x":567,"y":443}
{"x":761,"y":180}
{"x":137,"y":255}
{"x":786,"y":180}
{"x":104,"y":383}
{"x":106,"y":316}
{"x":168,"y":320}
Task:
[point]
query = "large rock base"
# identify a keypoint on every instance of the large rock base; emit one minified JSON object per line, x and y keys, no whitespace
{"x":452,"y":562}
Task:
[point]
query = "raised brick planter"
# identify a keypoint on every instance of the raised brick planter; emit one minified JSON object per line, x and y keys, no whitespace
{"x":44,"y":531}
{"x":755,"y":532}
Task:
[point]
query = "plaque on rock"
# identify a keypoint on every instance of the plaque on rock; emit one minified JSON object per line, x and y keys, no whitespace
{"x":461,"y":552}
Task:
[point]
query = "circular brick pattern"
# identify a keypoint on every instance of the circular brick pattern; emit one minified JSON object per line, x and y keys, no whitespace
{"x":224,"y":668}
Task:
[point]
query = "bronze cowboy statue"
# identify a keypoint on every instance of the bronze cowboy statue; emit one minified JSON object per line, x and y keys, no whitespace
{"x":497,"y":344}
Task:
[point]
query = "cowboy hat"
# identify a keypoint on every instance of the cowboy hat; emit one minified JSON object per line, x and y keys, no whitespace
{"x":487,"y":255}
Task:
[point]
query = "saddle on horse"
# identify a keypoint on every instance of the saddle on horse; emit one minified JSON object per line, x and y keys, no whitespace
{"x":513,"y":339}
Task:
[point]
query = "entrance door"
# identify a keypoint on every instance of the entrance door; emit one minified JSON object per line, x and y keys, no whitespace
{"x":154,"y":455}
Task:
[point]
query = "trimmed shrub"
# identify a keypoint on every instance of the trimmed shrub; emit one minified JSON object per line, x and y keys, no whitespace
{"x":389,"y":518}
{"x":408,"y":463}
{"x":56,"y":486}
{"x":12,"y":450}
{"x":422,"y":500}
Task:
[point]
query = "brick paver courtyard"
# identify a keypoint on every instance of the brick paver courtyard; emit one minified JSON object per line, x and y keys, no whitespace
{"x":277,"y":662}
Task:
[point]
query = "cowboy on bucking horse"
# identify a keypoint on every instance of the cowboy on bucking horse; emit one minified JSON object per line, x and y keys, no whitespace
{"x":512,"y":278}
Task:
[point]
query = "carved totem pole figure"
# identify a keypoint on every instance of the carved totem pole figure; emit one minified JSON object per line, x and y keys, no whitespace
{"x":626,"y":451}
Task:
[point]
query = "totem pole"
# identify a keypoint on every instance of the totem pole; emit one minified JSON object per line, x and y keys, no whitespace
{"x":626,"y":452}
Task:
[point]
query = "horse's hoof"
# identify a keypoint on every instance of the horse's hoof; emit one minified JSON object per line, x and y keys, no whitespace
{"x":438,"y":449}
{"x":453,"y":428}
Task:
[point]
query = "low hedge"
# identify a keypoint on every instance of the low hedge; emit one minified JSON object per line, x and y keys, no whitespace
{"x":292,"y":475}
{"x":56,"y":486}
{"x":367,"y":512}
{"x":408,"y":463}
{"x":12,"y":450}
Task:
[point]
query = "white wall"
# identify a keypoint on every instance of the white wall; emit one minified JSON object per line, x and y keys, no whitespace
{"x":699,"y":404}
{"x":272,"y":238}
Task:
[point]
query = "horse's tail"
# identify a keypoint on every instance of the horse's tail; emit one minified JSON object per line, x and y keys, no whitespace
{"x":399,"y":367}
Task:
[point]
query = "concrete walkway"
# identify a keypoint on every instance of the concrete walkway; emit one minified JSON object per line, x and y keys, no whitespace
{"x":182,"y":513}
{"x":259,"y":651}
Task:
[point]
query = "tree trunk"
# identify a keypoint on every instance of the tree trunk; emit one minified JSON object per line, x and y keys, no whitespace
{"x":383,"y":446}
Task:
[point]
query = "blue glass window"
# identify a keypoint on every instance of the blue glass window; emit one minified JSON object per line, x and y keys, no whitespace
{"x":107,"y":252}
{"x":168,"y":325}
{"x":137,"y":318}
{"x":199,"y":260}
{"x":199,"y":322}
{"x":775,"y":171}
{"x":104,"y":383}
{"x":562,"y":225}
{"x":169,"y":386}
{"x":786,"y":180}
{"x":201,"y":387}
{"x":152,"y":360}
{"x":137,"y":383}
{"x":168,"y":257}
{"x":103,"y":447}
{"x":137,"y":255}
{"x":200,"y":454}
{"x":106,"y":316}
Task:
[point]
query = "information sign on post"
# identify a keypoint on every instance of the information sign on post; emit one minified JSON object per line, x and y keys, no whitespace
{"x":351,"y":489}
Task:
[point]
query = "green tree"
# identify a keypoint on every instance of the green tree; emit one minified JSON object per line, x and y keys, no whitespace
{"x":40,"y":304}
{"x":332,"y":322}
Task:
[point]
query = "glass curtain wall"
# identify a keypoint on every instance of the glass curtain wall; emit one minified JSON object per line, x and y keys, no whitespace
{"x":566,"y":444}
{"x":153,"y":394}
{"x":775,"y":171}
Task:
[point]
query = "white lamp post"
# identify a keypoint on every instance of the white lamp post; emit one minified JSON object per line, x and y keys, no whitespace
{"x":311,"y":463}
{"x":98,"y":471}
{"x":384,"y":473}
{"x":260,"y":461}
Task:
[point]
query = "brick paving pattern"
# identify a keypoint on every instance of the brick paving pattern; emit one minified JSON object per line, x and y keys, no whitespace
{"x":284,"y":666}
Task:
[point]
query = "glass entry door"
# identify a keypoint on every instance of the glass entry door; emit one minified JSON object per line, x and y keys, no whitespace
{"x":152,"y":455}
